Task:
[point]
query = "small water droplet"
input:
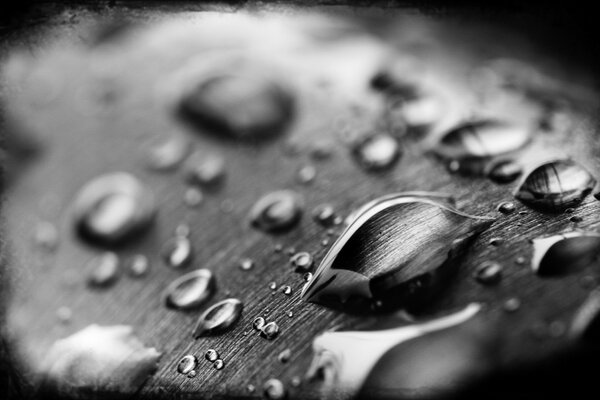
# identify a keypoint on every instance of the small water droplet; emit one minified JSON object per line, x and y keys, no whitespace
{"x":576,"y":219}
{"x":488,"y":273}
{"x":270,"y":331}
{"x":258,"y":323}
{"x":378,"y":152}
{"x":287,"y":290}
{"x":177,"y":252}
{"x":520,"y":260}
{"x":168,"y":155}
{"x":273,"y":286}
{"x":219,"y":364}
{"x":104,"y":270}
{"x":496,"y":242}
{"x":190,"y":290}
{"x":325,"y":242}
{"x":207,"y":170}
{"x":193,"y":197}
{"x":321,"y":150}
{"x":504,"y":171}
{"x":296,"y":381}
{"x":183,"y":230}
{"x":324,"y":215}
{"x":64,"y":315}
{"x":246,"y":264}
{"x":290,"y":314}
{"x":219,"y":317}
{"x":277,"y":211}
{"x":211,"y":355}
{"x":191,"y":374}
{"x":187,"y":364}
{"x":112,"y":208}
{"x":227,"y":206}
{"x":284,"y":356}
{"x":278,"y":248}
{"x":557,"y":329}
{"x":274,"y":389}
{"x":307,"y":277}
{"x":306,"y":174}
{"x":507,"y":207}
{"x":138,"y":265}
{"x":556,"y":186}
{"x":46,"y":236}
{"x":250,"y":388}
{"x":512,"y":305}
{"x":291,"y":251}
{"x":302,"y":262}
{"x":569,"y":210}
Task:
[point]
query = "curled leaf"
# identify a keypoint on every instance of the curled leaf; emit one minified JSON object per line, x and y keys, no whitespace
{"x":397,"y":249}
{"x":99,"y":359}
{"x":564,"y":253}
{"x":344,"y":359}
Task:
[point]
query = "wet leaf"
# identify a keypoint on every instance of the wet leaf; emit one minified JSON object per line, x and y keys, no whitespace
{"x":99,"y":358}
{"x":565,"y":253}
{"x":190,"y":290}
{"x":219,"y":317}
{"x":344,"y":359}
{"x":556,"y":186}
{"x":399,"y":249}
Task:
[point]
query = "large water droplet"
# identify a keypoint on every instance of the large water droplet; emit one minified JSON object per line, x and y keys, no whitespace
{"x":112,"y":208}
{"x":248,"y":107}
{"x":187,"y":364}
{"x":377,"y":152}
{"x":556,"y":186}
{"x":277,"y":211}
{"x":274,"y":389}
{"x":302,"y":262}
{"x":104,"y":270}
{"x":396,"y":248}
{"x":168,"y":155}
{"x":190,"y":290}
{"x":207,"y":169}
{"x":177,"y":252}
{"x":507,"y":207}
{"x":565,"y":253}
{"x":218,"y":318}
{"x":482,"y":139}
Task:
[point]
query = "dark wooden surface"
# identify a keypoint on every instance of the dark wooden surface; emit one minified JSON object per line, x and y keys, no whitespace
{"x":111,"y":107}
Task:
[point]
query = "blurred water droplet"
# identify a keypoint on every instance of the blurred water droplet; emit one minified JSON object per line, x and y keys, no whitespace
{"x":246,"y":264}
{"x":187,"y":364}
{"x":556,"y":186}
{"x":296,"y":381}
{"x":190,"y":290}
{"x":177,"y":252}
{"x":284,"y":356}
{"x":219,"y":364}
{"x":278,"y":248}
{"x":324,"y":215}
{"x":274,"y":390}
{"x":258,"y":323}
{"x":512,"y":305}
{"x":227,"y":206}
{"x":424,"y":111}
{"x":520,"y":260}
{"x":270,"y":331}
{"x":138,"y":265}
{"x":576,"y":219}
{"x":46,"y":236}
{"x":302,"y":262}
{"x":168,"y":155}
{"x":219,"y":317}
{"x":306,"y":174}
{"x":377,"y":152}
{"x":112,"y":208}
{"x":588,"y":282}
{"x":325,"y":242}
{"x":243,"y":106}
{"x":286,"y":290}
{"x":504,"y":171}
{"x":104,"y":270}
{"x":277,"y":211}
{"x":183,"y":230}
{"x":207,"y":170}
{"x":321,"y":150}
{"x":557,"y":329}
{"x":565,"y":253}
{"x":64,"y":315}
{"x":507,"y":207}
{"x":488,"y":273}
{"x":193,"y":197}
{"x":211,"y":355}
{"x":291,"y":251}
{"x":250,"y":388}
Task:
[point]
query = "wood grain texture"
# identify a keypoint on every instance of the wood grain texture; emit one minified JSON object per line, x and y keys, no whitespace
{"x":109,"y":110}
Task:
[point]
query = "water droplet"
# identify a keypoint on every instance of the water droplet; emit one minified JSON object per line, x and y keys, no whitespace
{"x":377,"y":152}
{"x":193,"y":197}
{"x":321,"y":150}
{"x":557,"y":329}
{"x":424,"y":110}
{"x":291,"y":251}
{"x":278,"y":248}
{"x":286,"y":290}
{"x":307,"y":277}
{"x":482,"y":139}
{"x":290,"y":314}
{"x":324,"y":215}
{"x":274,"y":389}
{"x":504,"y":171}
{"x":192,"y":374}
{"x":219,"y":317}
{"x":138,"y":265}
{"x":284,"y":356}
{"x":296,"y":381}
{"x":393,"y":250}
{"x":273,"y":286}
{"x":556,"y":185}
{"x":104,"y":270}
{"x":211,"y":355}
{"x":496,"y":242}
{"x":277,"y":211}
{"x":488,"y":273}
{"x":112,"y":208}
{"x":206,"y":170}
{"x":64,"y":315}
{"x":227,"y":206}
{"x":250,"y":388}
{"x":183,"y":230}
{"x":187,"y":364}
{"x":239,"y":105}
{"x":168,"y":155}
{"x":190,"y":290}
{"x":246,"y":264}
{"x":569,"y":210}
{"x":511,"y":305}
{"x":325,"y":242}
{"x":302,"y":262}
{"x":520,"y":260}
{"x":177,"y":252}
{"x":307,"y":174}
{"x":258,"y":323}
{"x":270,"y":331}
{"x":507,"y":207}
{"x":46,"y":236}
{"x":576,"y":219}
{"x":218,"y":364}
{"x":565,"y":253}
